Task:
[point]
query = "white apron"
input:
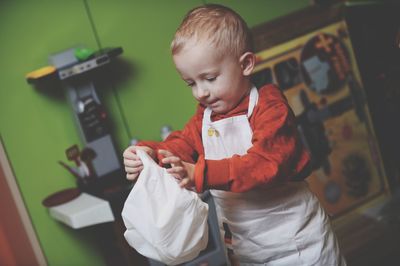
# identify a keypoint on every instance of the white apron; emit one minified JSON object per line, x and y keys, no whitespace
{"x":281,"y":225}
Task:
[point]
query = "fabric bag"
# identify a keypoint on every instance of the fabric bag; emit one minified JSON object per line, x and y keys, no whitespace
{"x":163,"y":221}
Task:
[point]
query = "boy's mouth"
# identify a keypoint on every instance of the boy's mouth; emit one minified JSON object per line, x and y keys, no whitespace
{"x":212,"y":103}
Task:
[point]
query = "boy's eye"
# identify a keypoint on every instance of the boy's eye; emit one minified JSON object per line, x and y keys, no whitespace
{"x":211,"y":78}
{"x":189,"y":83}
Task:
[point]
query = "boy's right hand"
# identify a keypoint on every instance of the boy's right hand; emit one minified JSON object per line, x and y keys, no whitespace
{"x":133,"y":164}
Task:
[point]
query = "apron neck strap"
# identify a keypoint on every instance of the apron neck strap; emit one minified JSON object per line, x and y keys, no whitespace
{"x":253,"y":99}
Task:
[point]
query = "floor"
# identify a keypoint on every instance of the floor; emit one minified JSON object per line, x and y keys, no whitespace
{"x":373,"y":239}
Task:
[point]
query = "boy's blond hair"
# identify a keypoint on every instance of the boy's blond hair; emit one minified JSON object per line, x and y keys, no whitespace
{"x":219,"y":25}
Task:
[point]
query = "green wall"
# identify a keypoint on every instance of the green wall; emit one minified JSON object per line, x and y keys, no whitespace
{"x":36,"y":127}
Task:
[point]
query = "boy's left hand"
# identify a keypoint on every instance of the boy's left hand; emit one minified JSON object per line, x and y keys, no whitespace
{"x":182,"y":171}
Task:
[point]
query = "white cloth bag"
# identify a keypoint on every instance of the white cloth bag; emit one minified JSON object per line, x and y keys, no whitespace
{"x":163,"y":221}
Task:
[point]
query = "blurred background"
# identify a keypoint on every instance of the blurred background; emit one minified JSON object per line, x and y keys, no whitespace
{"x":336,"y":61}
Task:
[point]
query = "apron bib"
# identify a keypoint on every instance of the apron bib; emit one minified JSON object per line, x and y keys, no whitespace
{"x":281,"y":225}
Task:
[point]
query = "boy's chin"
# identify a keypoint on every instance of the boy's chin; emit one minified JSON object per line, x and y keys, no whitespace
{"x":219,"y":110}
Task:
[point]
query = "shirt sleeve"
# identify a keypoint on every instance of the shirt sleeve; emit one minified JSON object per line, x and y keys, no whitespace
{"x":276,"y":154}
{"x":184,"y":143}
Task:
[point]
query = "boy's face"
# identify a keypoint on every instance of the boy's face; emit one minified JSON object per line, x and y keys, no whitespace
{"x":218,"y":82}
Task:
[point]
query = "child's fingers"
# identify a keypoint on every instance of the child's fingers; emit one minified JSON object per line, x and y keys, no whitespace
{"x":148,"y":150}
{"x":184,"y":182}
{"x":173,"y":160}
{"x":178,"y":172}
{"x":132,"y":163}
{"x":130,"y":154}
{"x":170,"y":158}
{"x":167,"y":154}
{"x":176,"y":169}
{"x":131,"y":176}
{"x":132,"y":170}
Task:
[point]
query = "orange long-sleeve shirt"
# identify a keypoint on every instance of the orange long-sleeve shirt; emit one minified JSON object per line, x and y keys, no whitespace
{"x":276,"y":154}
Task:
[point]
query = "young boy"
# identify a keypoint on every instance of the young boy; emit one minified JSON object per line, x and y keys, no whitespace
{"x":242,"y":144}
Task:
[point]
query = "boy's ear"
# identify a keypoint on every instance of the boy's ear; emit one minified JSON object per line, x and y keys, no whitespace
{"x":247,"y":62}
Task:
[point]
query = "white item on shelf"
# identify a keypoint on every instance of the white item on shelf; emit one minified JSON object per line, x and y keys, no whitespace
{"x":84,"y":210}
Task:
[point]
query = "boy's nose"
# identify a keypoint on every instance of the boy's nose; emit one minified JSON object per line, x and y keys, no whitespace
{"x":203,"y":92}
